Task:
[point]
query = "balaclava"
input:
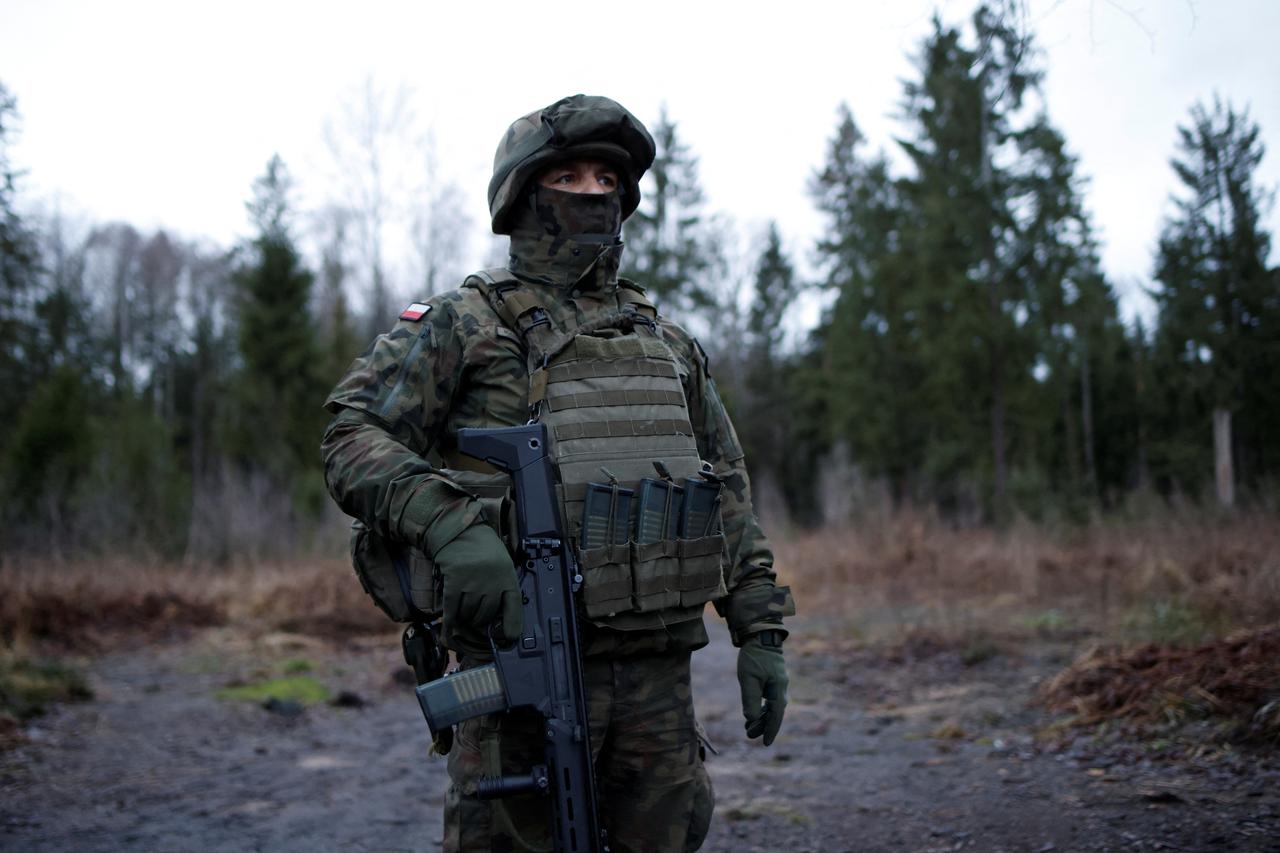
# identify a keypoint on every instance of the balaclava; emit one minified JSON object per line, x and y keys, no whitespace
{"x":567,"y":240}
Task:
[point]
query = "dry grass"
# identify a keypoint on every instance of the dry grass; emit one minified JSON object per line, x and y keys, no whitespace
{"x":1179,"y":579}
{"x":89,"y":605}
{"x":1187,"y":606}
{"x":910,"y":585}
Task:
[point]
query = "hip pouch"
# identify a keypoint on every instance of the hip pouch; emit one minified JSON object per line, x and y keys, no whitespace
{"x":400,"y":577}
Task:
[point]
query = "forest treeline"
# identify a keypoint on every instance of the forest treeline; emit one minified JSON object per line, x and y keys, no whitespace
{"x":164,"y":394}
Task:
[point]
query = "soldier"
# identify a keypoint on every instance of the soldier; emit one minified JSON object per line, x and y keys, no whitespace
{"x":627,"y":395}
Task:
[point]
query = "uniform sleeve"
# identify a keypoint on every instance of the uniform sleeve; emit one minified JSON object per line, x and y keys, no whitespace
{"x":754,"y":602}
{"x":388,"y":410}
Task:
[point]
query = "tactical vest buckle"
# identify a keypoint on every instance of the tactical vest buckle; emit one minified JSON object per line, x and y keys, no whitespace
{"x":537,"y":317}
{"x":633,"y":316}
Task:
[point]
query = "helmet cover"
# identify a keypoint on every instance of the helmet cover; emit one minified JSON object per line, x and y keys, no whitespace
{"x":576,"y":127}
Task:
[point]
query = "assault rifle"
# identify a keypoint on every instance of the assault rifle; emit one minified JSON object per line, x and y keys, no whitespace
{"x":543,"y":668}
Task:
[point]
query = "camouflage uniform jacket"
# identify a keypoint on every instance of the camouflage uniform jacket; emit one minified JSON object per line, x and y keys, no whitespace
{"x":399,"y":408}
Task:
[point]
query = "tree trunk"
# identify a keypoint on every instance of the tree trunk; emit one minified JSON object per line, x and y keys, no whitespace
{"x":1225,"y":475}
{"x":996,"y":348}
{"x":1142,"y":475}
{"x":1086,"y":422}
{"x":999,"y":472}
{"x":1070,"y":440}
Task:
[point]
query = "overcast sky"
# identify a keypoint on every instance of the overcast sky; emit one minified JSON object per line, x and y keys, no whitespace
{"x":162,"y":114}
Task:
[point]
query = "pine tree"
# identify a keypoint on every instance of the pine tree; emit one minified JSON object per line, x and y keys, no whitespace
{"x":775,"y":287}
{"x":668,"y":251}
{"x":971,"y":331}
{"x":55,"y":441}
{"x":19,"y":269}
{"x":967,"y":241}
{"x":764,"y":434}
{"x":961,"y":109}
{"x":1218,"y":343}
{"x":1078,"y":338}
{"x":279,"y":389}
{"x":869,"y":337}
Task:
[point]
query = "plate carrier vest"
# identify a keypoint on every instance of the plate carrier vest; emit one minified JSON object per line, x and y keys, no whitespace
{"x":618,"y":425}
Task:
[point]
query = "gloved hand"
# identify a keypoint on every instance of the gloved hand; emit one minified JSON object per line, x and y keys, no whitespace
{"x":480,"y":583}
{"x":762,"y":676}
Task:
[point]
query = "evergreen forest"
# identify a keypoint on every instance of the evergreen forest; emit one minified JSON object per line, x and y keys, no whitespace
{"x":164,"y":394}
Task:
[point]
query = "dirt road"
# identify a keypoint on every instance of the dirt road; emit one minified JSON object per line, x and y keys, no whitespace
{"x":914,"y":753}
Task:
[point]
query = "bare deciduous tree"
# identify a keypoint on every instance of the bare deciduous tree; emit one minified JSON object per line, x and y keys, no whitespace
{"x":439,"y":235}
{"x":372,"y":143}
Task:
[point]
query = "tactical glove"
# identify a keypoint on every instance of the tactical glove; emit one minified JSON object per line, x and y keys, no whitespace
{"x":480,"y":583}
{"x":762,"y":676}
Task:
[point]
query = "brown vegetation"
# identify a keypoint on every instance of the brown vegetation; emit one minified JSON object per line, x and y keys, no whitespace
{"x":1178,"y":578}
{"x":1236,"y":679}
{"x":1199,"y":595}
{"x":87,"y":605}
{"x":1175,"y":578}
{"x":910,"y":585}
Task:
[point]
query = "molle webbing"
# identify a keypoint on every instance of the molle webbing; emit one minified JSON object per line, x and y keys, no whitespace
{"x":521,"y":309}
{"x":611,"y":395}
{"x":546,"y":345}
{"x":622,"y":429}
{"x":628,"y":367}
{"x":621,"y":397}
{"x":586,"y":345}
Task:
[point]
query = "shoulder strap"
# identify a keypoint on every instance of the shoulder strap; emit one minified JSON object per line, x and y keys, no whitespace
{"x":631,"y":295}
{"x":499,"y":277}
{"x":518,"y":307}
{"x":521,"y":311}
{"x":494,"y":284}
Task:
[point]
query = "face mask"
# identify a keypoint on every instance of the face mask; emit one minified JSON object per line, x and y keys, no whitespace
{"x":585,"y":217}
{"x":558,"y":237}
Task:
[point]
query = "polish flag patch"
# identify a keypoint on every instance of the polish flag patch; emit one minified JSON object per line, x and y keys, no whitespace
{"x":415,"y":312}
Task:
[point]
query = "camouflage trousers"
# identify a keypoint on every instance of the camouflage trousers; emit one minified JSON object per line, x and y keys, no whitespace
{"x":655,"y":794}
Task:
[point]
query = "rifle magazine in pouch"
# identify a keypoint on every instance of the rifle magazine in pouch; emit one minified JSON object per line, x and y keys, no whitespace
{"x":606,"y":587}
{"x":606,"y":516}
{"x":658,"y":517}
{"x":656,"y":570}
{"x":701,"y":543}
{"x":655,"y":565}
{"x":606,"y":560}
{"x":701,"y":576}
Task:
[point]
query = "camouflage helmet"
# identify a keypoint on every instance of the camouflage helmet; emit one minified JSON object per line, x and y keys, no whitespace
{"x":576,"y":126}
